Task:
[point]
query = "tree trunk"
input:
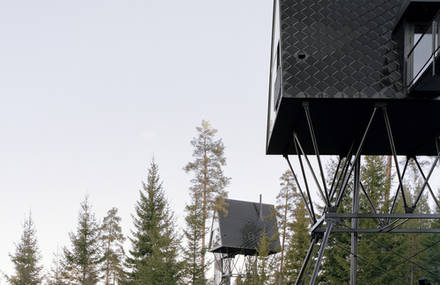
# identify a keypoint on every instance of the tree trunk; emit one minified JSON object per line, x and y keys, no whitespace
{"x":284,"y":237}
{"x":107,"y":270}
{"x":388,"y":181}
{"x":205,"y":194}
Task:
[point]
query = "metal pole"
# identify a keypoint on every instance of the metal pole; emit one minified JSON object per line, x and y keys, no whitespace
{"x":315,"y":146}
{"x":321,"y":252}
{"x":426,"y":180}
{"x":305,"y":262}
{"x":429,"y":187}
{"x":393,"y":150}
{"x":398,"y":188}
{"x":355,"y":223}
{"x":298,"y":143}
{"x":304,"y":178}
{"x":309,"y":210}
{"x":370,"y":202}
{"x":358,"y":154}
{"x":344,"y":171}
{"x":227,"y":270}
{"x":335,"y":176}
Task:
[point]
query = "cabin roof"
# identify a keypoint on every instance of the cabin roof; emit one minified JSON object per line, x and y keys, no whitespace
{"x":241,"y":228}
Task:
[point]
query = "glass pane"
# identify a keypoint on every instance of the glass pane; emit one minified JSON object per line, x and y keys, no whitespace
{"x":275,"y":83}
{"x":422,"y":53}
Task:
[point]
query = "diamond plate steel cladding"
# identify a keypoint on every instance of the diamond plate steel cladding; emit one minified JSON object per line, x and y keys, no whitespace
{"x":240,"y":229}
{"x":340,"y":58}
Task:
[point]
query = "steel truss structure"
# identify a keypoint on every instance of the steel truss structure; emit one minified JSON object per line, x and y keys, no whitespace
{"x":230,"y":266}
{"x":347,"y":170}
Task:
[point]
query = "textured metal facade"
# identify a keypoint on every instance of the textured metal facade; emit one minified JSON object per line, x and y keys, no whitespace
{"x":342,"y":59}
{"x":348,"y":49}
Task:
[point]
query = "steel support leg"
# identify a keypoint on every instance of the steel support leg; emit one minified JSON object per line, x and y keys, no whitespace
{"x":315,"y":146}
{"x":357,"y":156}
{"x":427,"y":184}
{"x":310,"y":209}
{"x":321,"y":253}
{"x":305,"y":262}
{"x":355,"y":223}
{"x":298,"y":145}
{"x":426,"y":181}
{"x":396,"y":162}
{"x":398,"y":188}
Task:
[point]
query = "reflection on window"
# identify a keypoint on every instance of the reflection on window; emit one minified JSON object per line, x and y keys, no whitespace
{"x":421,"y":54}
{"x":423,"y":51}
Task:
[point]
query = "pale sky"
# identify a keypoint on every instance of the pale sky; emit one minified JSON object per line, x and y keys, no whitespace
{"x":91,"y":90}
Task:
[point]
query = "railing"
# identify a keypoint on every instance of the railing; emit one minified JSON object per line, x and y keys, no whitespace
{"x":277,"y":89}
{"x":424,"y":52}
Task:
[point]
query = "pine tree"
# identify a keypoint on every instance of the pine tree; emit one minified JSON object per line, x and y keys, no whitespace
{"x":153,"y":257}
{"x":26,"y":258}
{"x":284,"y":208}
{"x":112,"y":241}
{"x":81,"y":262}
{"x":209,"y":179}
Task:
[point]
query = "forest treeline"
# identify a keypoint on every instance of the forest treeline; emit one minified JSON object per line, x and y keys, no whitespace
{"x":161,"y":254}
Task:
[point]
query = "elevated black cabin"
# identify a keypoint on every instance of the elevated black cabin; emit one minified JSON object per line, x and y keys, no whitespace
{"x":343,"y":58}
{"x":240,"y":229}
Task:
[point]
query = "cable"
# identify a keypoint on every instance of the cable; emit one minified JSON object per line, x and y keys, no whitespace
{"x":394,"y":252}
{"x":367,"y":261}
{"x":419,"y":252}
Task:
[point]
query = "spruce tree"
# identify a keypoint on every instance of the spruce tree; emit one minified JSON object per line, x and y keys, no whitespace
{"x":193,"y":233}
{"x":56,"y":273}
{"x":155,"y":247}
{"x":112,"y":241}
{"x":82,"y":260}
{"x":432,"y":256}
{"x":411,"y":244}
{"x":262,"y":268}
{"x":284,"y":208}
{"x":298,"y":242}
{"x":208,"y":179}
{"x":336,"y":264}
{"x":376,"y":248}
{"x":26,"y":258}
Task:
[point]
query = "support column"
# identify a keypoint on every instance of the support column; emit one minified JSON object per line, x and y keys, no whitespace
{"x":315,"y":273}
{"x":355,"y":223}
{"x":227,"y":270}
{"x":306,"y":261}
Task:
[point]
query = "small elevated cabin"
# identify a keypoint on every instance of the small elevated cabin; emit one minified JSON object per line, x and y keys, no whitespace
{"x":341,"y":58}
{"x":239,"y":229}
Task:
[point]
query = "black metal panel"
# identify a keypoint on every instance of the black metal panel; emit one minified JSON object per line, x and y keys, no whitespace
{"x":241,"y":228}
{"x":351,"y":64}
{"x":339,"y":123}
{"x":348,"y":48}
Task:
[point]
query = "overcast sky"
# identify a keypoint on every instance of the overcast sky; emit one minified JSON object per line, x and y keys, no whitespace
{"x":92,"y":90}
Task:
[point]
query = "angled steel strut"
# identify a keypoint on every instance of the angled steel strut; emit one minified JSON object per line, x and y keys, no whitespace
{"x":348,"y":176}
